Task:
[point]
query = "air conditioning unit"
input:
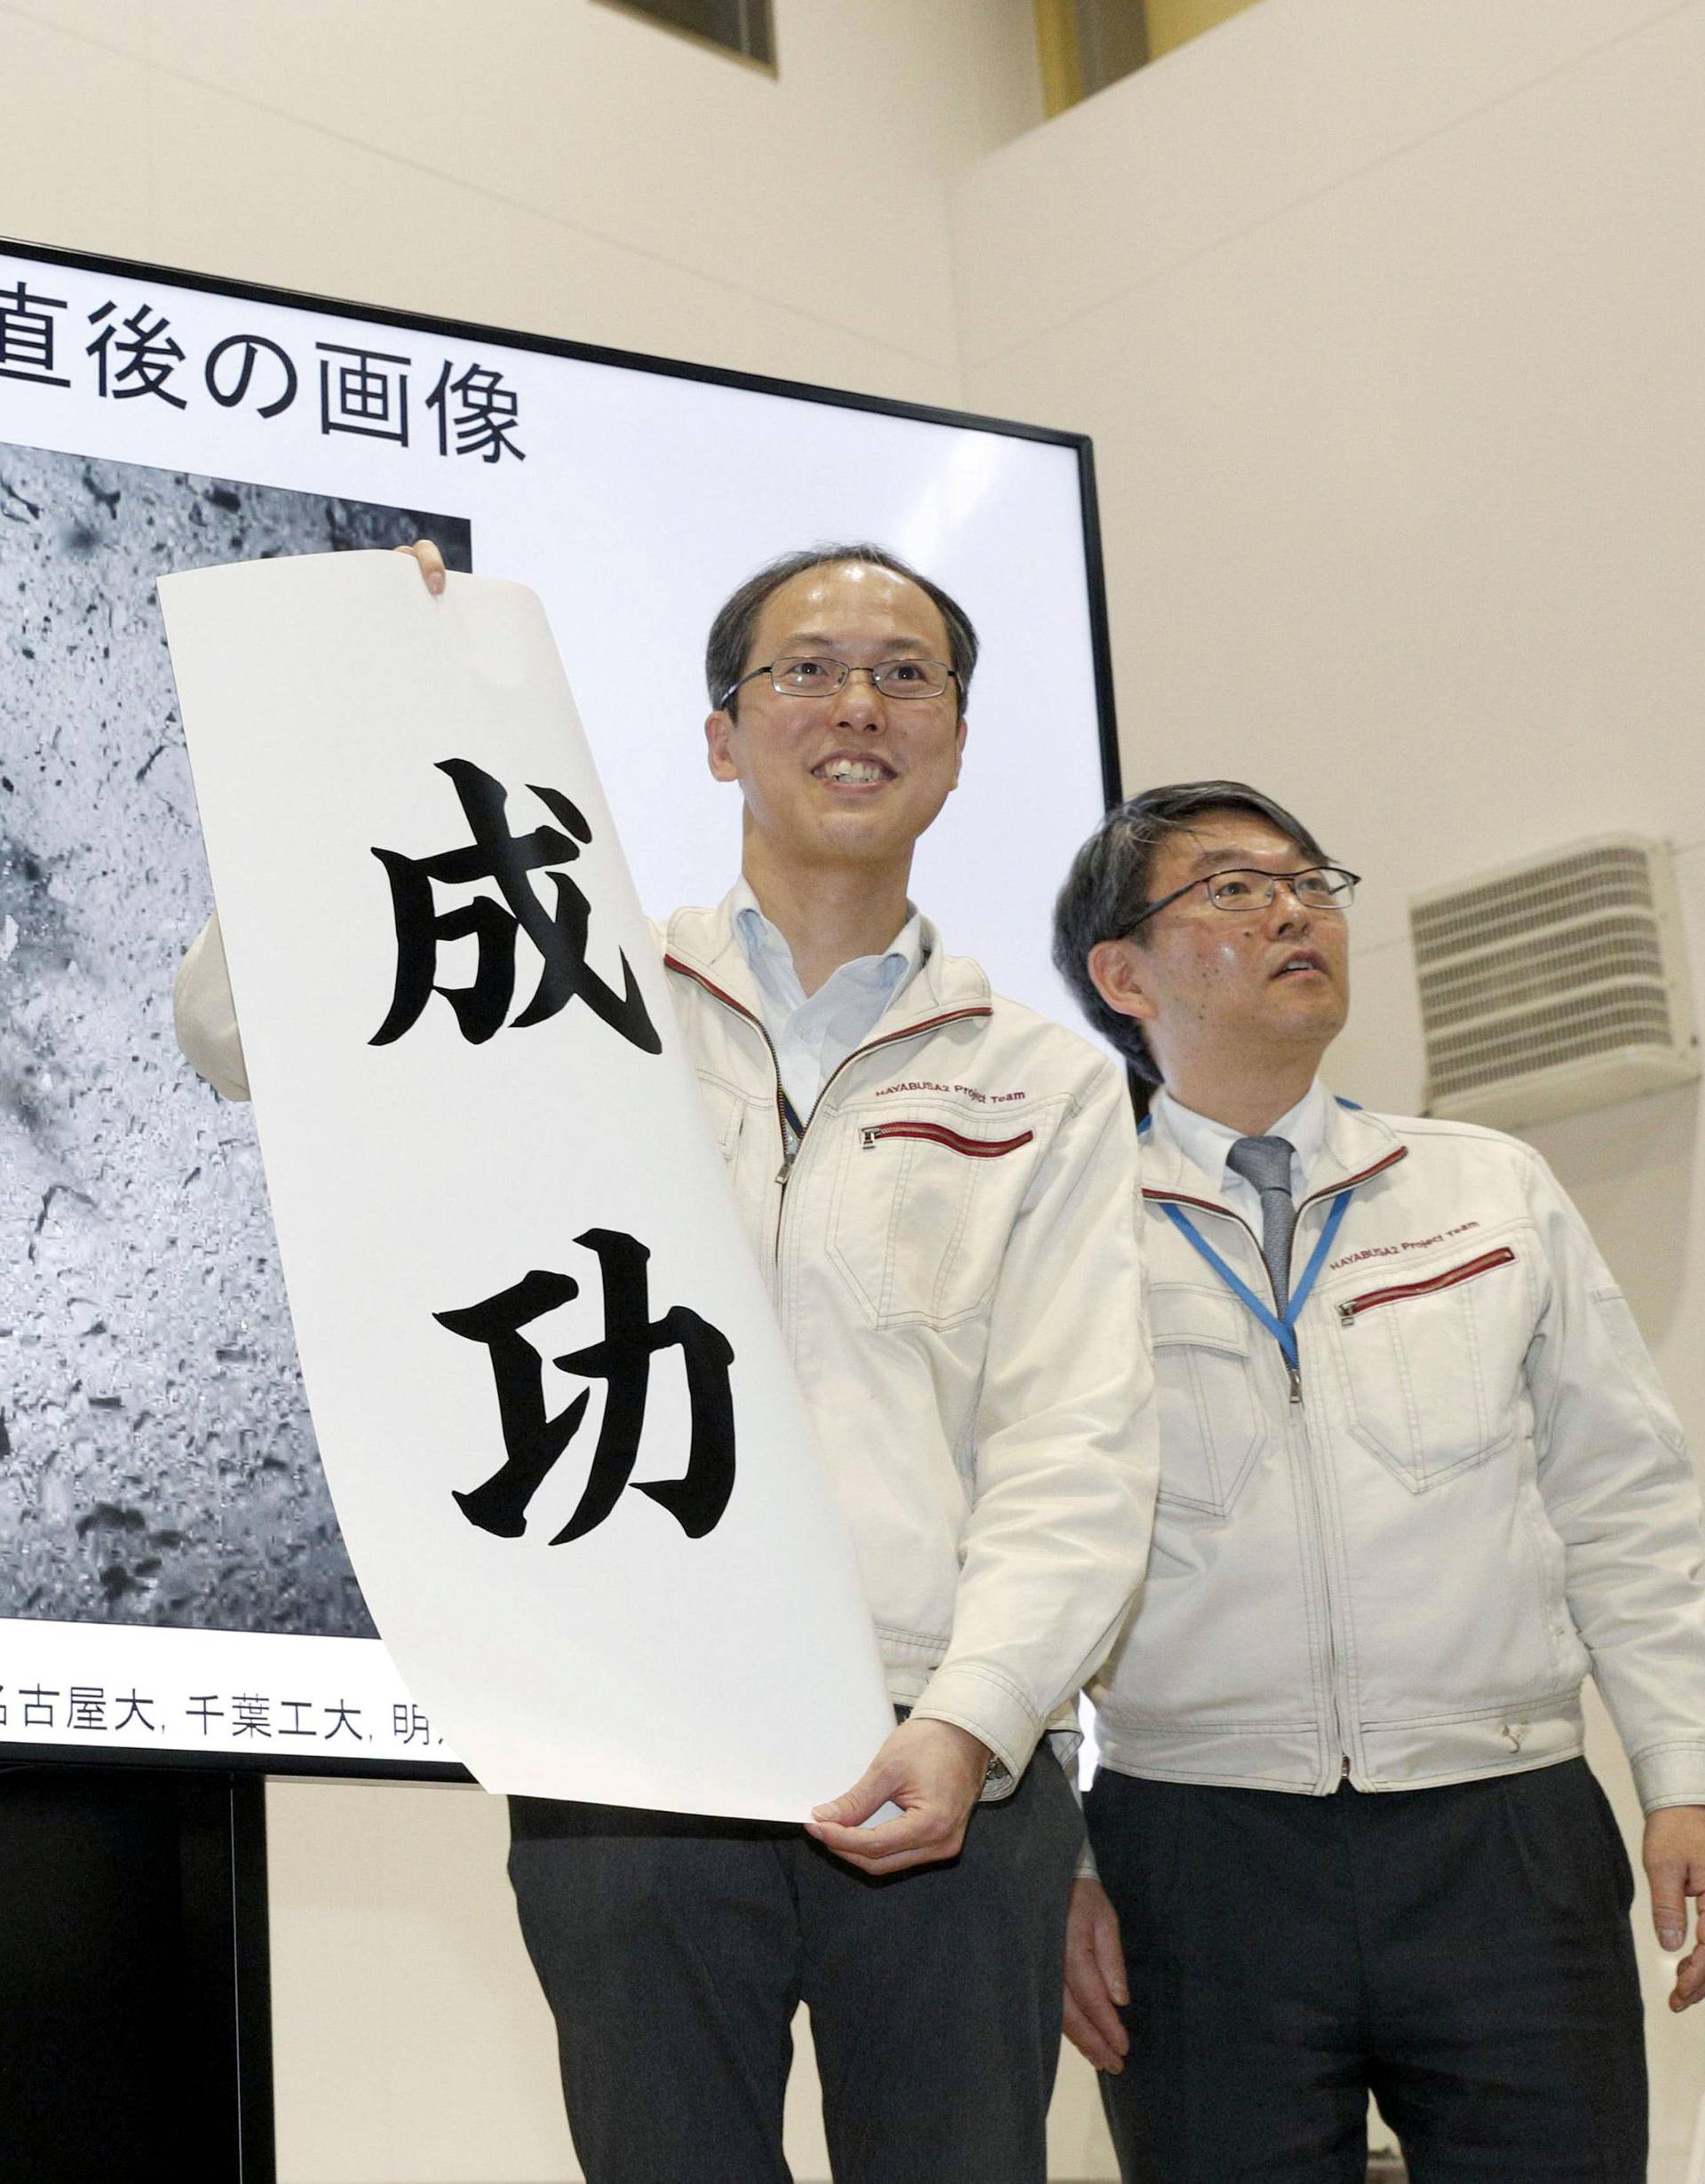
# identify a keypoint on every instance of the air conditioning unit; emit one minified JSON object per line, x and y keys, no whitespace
{"x":1555,"y":984}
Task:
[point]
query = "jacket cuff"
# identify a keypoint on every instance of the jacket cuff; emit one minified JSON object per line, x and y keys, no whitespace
{"x":982,"y":1701}
{"x":1671,"y":1775}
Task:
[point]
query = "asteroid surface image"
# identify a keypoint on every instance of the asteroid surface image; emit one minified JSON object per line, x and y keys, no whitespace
{"x":156,"y":1461}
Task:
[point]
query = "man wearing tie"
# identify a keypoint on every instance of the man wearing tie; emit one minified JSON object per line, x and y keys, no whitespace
{"x":1418,"y":1480}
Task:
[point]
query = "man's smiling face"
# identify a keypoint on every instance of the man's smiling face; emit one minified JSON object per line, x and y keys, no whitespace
{"x":855,"y":777}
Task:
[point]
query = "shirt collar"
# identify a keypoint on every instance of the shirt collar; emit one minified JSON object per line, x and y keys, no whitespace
{"x":1206,"y":1143}
{"x":761,"y":941}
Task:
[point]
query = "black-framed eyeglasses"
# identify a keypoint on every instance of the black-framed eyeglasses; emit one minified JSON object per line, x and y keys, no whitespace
{"x":819,"y":678}
{"x":1318,"y":887}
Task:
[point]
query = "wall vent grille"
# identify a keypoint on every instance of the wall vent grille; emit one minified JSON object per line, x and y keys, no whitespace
{"x":1554,"y":986}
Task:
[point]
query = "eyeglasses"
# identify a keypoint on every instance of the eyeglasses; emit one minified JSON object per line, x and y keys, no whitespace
{"x":1321,"y":887}
{"x":821,"y":679}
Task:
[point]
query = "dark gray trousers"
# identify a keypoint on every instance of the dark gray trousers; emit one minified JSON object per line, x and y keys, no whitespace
{"x":1461,"y":1953}
{"x":674,"y":1951}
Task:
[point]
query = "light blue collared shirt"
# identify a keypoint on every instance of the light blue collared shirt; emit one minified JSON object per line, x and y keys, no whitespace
{"x":813,"y":1035}
{"x":1206,"y":1142}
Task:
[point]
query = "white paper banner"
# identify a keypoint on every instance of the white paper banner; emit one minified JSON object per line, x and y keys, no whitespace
{"x":566,"y":1450}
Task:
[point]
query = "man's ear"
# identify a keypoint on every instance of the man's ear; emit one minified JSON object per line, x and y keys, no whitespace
{"x":1116,"y":970}
{"x":959,"y":748}
{"x":719,"y":731}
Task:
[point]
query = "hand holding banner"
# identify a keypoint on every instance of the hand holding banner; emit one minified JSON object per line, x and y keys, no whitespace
{"x":567,"y":1453}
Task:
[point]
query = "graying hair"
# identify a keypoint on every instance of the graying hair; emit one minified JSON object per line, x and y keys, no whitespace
{"x":731,"y":633}
{"x":1107,"y":888}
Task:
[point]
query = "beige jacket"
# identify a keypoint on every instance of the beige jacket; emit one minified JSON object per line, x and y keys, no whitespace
{"x":954,"y":1255}
{"x":1401,"y":1571}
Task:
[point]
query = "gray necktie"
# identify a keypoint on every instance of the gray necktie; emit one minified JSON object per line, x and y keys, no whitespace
{"x":1265,"y":1162}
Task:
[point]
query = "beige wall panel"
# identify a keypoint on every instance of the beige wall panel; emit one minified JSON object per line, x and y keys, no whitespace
{"x":673,"y":168}
{"x":330,"y":215}
{"x":1281,"y":104}
{"x":411,"y":2042}
{"x":1402,"y":487}
{"x":53,"y":188}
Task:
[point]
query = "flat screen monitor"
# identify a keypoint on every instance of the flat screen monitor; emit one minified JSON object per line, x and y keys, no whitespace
{"x":173,"y":1586}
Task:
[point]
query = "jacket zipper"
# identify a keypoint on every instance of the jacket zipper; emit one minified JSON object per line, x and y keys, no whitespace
{"x":1319,"y":1516}
{"x":1301,"y":1415}
{"x":1352,"y":1307}
{"x":790,"y":1150}
{"x":673,"y":962}
{"x":938,"y":1134}
{"x":1344,"y":1769}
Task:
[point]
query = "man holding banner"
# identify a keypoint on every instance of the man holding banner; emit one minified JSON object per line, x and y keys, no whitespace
{"x":940,"y":1188}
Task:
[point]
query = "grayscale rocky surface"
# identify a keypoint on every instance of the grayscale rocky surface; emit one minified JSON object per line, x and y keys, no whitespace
{"x":156,"y":1461}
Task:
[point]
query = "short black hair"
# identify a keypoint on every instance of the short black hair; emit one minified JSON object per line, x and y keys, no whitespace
{"x":1107,"y":888}
{"x":731,"y":633}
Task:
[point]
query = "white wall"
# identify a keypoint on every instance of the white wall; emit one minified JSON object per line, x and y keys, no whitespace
{"x":1388,"y":331}
{"x":556,"y":165}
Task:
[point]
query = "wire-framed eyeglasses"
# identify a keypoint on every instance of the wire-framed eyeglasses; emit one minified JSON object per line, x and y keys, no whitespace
{"x":1318,"y":887}
{"x":820,"y":678}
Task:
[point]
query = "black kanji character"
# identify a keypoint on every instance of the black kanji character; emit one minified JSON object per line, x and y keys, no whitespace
{"x":86,"y":1707}
{"x":534,"y":1440}
{"x":408,"y":1722}
{"x":346,"y":1721}
{"x":560,"y":936}
{"x":149,"y":361}
{"x":367,"y":395}
{"x":249,"y":1715}
{"x":489,"y":413}
{"x":27,"y":330}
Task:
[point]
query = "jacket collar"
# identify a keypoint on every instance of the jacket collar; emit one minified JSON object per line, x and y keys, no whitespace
{"x":704,"y":943}
{"x":1358,"y":1145}
{"x":1209,"y":1144}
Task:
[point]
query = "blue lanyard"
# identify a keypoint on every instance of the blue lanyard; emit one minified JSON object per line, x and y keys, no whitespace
{"x":1282,"y":1331}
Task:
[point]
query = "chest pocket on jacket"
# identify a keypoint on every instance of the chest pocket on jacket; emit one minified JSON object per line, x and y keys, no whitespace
{"x":1433,"y":1363}
{"x":922,"y":1207}
{"x":1211,"y":1427}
